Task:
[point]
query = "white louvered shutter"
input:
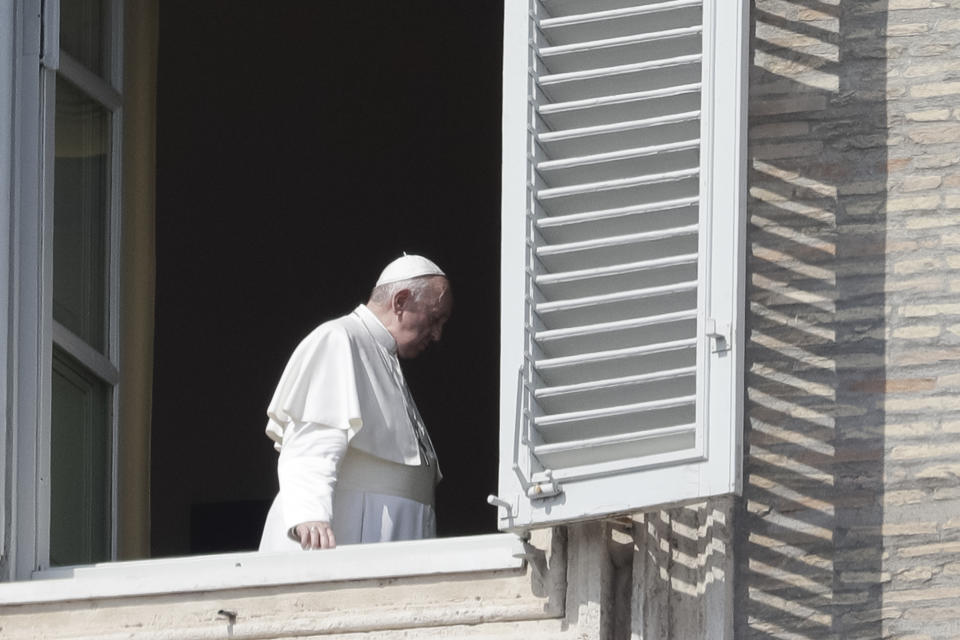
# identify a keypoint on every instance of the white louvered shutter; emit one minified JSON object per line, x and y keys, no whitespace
{"x":622,"y":265}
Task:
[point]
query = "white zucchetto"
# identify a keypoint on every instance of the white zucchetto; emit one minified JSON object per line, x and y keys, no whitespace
{"x":406,"y":267}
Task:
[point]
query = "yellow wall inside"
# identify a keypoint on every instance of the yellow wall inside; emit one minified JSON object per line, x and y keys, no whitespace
{"x":138,"y":276}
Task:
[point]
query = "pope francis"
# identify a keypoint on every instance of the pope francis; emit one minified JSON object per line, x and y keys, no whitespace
{"x":356,"y":463}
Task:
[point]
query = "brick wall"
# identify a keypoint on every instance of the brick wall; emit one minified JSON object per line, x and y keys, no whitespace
{"x":850,"y":522}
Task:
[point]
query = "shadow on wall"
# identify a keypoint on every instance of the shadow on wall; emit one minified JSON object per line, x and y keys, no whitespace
{"x":808,"y":535}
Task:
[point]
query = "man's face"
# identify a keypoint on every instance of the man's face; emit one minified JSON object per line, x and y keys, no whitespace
{"x":421,"y":321}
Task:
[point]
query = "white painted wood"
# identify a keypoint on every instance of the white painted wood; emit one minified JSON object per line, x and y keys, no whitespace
{"x":727,"y":298}
{"x":31,"y":260}
{"x":515,"y":198}
{"x":438,"y":557}
{"x":45,"y":378}
{"x":619,"y":41}
{"x":633,"y":323}
{"x":619,"y":269}
{"x":588,"y":216}
{"x":639,"y":407}
{"x":622,"y":183}
{"x":615,"y":127}
{"x":634,"y":96}
{"x":26,"y":315}
{"x":588,"y":74}
{"x":646,"y":236}
{"x":618,"y":13}
{"x":8,"y":59}
{"x":548,"y":391}
{"x":50,"y":55}
{"x":620,"y":296}
{"x":115,"y":230}
{"x":619,"y":399}
{"x":625,"y":154}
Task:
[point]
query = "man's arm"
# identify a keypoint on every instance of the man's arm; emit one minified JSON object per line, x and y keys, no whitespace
{"x":307,"y":470}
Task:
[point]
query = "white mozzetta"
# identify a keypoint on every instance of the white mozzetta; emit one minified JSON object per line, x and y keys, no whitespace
{"x":255,"y":569}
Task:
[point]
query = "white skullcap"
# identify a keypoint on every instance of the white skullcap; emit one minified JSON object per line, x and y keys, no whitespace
{"x":406,"y":267}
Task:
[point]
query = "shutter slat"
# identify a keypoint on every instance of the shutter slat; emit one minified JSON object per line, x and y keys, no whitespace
{"x":620,"y":296}
{"x":612,"y":14}
{"x":617,"y":127}
{"x":633,"y":238}
{"x":614,"y":354}
{"x":604,"y":101}
{"x":623,"y":381}
{"x":587,"y":456}
{"x":620,"y":183}
{"x":613,"y":156}
{"x":621,"y":69}
{"x":623,"y":438}
{"x":603,"y":214}
{"x":567,"y":49}
{"x":603,"y":327}
{"x":615,"y":270}
{"x":609,"y":412}
{"x":616,"y":465}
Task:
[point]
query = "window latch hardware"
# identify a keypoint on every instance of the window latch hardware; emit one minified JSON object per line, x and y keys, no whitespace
{"x":497,"y":501}
{"x":720,"y":332}
{"x":543,"y":488}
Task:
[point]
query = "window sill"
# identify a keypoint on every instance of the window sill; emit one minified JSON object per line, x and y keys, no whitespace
{"x":495,"y":552}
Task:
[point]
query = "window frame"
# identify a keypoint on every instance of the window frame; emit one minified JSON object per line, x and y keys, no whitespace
{"x":107,"y":93}
{"x":39,"y":61}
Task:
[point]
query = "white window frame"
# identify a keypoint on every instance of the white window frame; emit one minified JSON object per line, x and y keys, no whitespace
{"x":38,"y":65}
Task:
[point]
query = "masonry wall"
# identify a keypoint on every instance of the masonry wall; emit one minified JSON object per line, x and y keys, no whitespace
{"x":850,"y":521}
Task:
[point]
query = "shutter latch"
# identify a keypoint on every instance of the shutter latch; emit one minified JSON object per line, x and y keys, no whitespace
{"x":720,"y":332}
{"x":544,"y":487}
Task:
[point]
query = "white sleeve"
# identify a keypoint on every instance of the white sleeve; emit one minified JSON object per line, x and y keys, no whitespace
{"x":307,"y":470}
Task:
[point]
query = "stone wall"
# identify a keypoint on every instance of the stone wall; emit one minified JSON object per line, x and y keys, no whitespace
{"x":850,"y":521}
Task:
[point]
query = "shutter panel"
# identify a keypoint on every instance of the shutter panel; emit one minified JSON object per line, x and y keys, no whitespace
{"x":622,"y":255}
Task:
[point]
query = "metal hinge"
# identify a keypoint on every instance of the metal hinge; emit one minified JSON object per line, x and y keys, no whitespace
{"x":720,"y":332}
{"x":543,"y":488}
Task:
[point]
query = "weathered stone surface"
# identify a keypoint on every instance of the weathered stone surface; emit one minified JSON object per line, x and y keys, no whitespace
{"x":887,"y":556}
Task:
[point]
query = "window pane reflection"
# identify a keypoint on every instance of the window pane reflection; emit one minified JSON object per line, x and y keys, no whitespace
{"x":80,"y":230}
{"x":80,"y":465}
{"x":82,"y":33}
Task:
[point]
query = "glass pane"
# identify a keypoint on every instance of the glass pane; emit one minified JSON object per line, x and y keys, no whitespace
{"x":80,"y":464}
{"x":83,"y":33}
{"x":81,"y":189}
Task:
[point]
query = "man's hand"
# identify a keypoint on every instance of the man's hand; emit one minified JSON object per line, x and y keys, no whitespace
{"x":315,"y":535}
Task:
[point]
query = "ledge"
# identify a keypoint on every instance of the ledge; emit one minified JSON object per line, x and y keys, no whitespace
{"x":496,"y":552}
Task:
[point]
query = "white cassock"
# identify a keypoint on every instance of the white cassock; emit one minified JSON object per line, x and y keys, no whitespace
{"x":353,"y":449}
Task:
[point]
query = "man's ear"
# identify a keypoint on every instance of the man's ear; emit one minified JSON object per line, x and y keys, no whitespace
{"x":401,"y":300}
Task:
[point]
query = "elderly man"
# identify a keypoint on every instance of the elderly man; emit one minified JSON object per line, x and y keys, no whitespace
{"x":356,"y":463}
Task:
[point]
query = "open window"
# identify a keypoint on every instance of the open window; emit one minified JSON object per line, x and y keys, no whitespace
{"x":623,"y":255}
{"x":67,"y":116}
{"x":622,"y":267}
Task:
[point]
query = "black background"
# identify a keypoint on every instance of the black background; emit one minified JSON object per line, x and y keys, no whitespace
{"x":301,"y":147}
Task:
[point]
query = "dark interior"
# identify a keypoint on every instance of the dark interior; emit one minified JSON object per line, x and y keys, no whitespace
{"x":301,"y":147}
